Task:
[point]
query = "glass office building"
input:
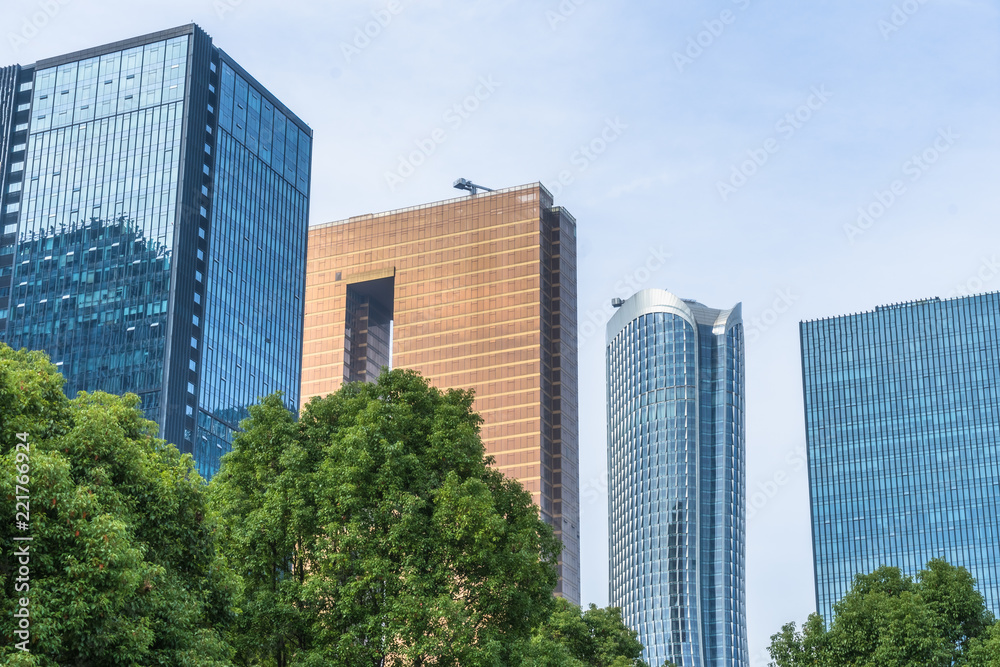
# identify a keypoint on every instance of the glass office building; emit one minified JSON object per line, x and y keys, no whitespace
{"x":677,"y":481}
{"x":155,"y":206}
{"x":903,"y":435}
{"x":477,"y":292}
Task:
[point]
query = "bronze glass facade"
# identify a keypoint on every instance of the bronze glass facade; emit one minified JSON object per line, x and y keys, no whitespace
{"x":474,"y":293}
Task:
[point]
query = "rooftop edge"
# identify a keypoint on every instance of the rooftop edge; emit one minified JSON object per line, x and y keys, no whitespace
{"x":898,"y":306}
{"x":442,"y":202}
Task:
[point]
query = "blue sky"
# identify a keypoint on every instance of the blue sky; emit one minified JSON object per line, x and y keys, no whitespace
{"x":741,"y":138}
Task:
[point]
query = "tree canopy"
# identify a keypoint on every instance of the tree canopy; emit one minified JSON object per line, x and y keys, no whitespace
{"x":122,"y":562}
{"x":374,"y":531}
{"x":889,"y":620}
{"x":572,"y":637}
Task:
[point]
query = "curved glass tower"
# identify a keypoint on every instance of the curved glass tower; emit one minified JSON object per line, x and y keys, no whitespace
{"x":676,"y":464}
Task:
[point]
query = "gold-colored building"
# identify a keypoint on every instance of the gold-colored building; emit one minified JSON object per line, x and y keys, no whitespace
{"x":475,"y":293}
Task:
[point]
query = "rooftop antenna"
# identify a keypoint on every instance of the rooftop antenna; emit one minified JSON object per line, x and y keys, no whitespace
{"x":466,"y":184}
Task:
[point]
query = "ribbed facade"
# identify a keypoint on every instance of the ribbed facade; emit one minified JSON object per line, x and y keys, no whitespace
{"x":153,"y":242}
{"x":903,"y":434}
{"x":15,"y":100}
{"x":676,"y":464}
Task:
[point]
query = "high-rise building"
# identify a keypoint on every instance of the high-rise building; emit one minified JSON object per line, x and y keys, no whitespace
{"x":903,"y":439}
{"x":155,"y":203}
{"x":677,"y":481}
{"x":475,"y":293}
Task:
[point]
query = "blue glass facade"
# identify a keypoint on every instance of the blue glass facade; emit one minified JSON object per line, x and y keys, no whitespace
{"x":151,"y":244}
{"x":255,"y":283}
{"x":903,"y":435}
{"x":676,"y":464}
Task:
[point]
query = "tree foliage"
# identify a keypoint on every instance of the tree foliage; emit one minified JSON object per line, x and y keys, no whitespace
{"x":265,"y":499}
{"x":374,"y":532}
{"x":572,"y":637}
{"x":985,"y":649}
{"x":122,"y":562}
{"x":889,"y":620}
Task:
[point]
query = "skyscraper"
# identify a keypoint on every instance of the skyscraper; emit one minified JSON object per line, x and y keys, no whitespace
{"x":903,"y":439}
{"x":155,"y":203}
{"x":476,"y":293}
{"x":677,"y":481}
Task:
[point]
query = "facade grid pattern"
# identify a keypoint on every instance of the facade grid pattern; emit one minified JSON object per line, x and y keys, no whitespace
{"x":483,"y":297}
{"x":903,"y":435}
{"x":13,"y":132}
{"x":94,"y":254}
{"x":141,"y":231}
{"x":676,"y":461}
{"x":259,"y":229}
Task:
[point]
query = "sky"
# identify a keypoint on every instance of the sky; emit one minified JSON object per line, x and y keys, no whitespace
{"x":806,"y":159}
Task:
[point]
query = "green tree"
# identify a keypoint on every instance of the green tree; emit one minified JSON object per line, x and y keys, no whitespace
{"x":264,"y":498}
{"x":791,"y":648}
{"x":374,"y":531}
{"x":575,"y":638}
{"x":984,"y":651}
{"x":889,"y":620}
{"x":122,"y":563}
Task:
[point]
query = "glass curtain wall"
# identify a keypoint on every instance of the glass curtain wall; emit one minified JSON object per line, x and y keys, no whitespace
{"x":92,"y":272}
{"x":903,"y":438}
{"x":676,"y":462}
